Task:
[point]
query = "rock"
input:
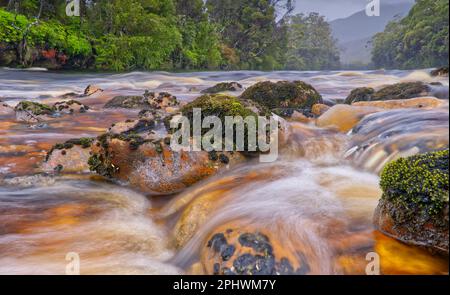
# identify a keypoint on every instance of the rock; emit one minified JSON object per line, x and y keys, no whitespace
{"x":344,"y":117}
{"x":149,"y":101}
{"x":421,"y":102}
{"x":223,"y":87}
{"x":360,"y":94}
{"x":33,"y":112}
{"x":92,"y":89}
{"x":70,"y":107}
{"x":414,"y":206}
{"x":440,"y":72}
{"x":128,"y":102}
{"x":250,"y":251}
{"x":319,"y":109}
{"x":283,"y":97}
{"x":5,"y":109}
{"x":392,"y":92}
{"x":29,"y":181}
{"x":70,"y":157}
{"x":139,"y":156}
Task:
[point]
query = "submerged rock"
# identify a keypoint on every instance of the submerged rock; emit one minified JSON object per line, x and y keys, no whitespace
{"x":247,"y":251}
{"x":414,"y":206}
{"x":284,"y":97}
{"x":392,"y":92}
{"x":344,"y":117}
{"x":33,"y":112}
{"x":70,"y":157}
{"x":223,"y":87}
{"x":419,"y":103}
{"x":5,"y":109}
{"x":319,"y":109}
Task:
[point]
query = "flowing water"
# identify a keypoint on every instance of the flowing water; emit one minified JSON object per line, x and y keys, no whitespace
{"x":316,"y":201}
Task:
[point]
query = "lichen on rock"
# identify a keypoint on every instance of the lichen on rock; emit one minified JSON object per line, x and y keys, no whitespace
{"x":414,"y":205}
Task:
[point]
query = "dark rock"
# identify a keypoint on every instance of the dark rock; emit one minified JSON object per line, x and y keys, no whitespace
{"x":282,"y":95}
{"x":360,"y":94}
{"x":222,"y":87}
{"x":70,"y":107}
{"x":92,"y":89}
{"x":33,"y":112}
{"x":128,"y":102}
{"x":440,"y":72}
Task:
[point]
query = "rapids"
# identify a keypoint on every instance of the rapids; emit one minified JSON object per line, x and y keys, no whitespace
{"x":317,"y":200}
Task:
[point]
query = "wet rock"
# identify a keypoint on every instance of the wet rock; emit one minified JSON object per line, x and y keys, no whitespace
{"x":33,"y":112}
{"x":319,"y":109}
{"x":70,"y":107}
{"x":284,"y":97}
{"x":392,"y":92}
{"x":420,"y":103}
{"x":5,"y":109}
{"x":128,"y":102}
{"x":69,"y":157}
{"x":344,"y":117}
{"x":414,"y":206}
{"x":92,"y":89}
{"x":241,"y":252}
{"x":223,"y":87}
{"x":148,"y":101}
{"x":440,"y":72}
{"x":360,"y":94}
{"x":133,"y":152}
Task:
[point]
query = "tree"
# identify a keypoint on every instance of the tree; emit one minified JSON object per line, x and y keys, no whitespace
{"x":420,"y":40}
{"x":311,"y":45}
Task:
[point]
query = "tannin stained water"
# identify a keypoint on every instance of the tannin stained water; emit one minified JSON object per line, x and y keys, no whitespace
{"x":317,"y":200}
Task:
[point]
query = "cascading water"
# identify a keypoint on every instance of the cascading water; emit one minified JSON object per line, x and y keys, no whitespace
{"x":316,"y":201}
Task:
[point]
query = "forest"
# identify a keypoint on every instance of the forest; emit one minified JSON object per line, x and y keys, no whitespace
{"x":125,"y":35}
{"x":183,"y":35}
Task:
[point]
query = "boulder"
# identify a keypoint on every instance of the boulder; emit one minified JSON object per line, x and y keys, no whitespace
{"x":414,"y":206}
{"x":127,"y":102}
{"x":5,"y":109}
{"x":33,"y":112}
{"x":133,"y":152}
{"x":69,"y":157}
{"x":223,"y":87}
{"x":392,"y":92}
{"x":344,"y":117}
{"x":360,"y":94}
{"x":284,"y":97}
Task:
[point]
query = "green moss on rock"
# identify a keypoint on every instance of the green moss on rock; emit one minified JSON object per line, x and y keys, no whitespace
{"x":402,"y":91}
{"x":283,"y":95}
{"x":418,"y":186}
{"x":360,"y":94}
{"x":35,"y":108}
{"x":224,"y":86}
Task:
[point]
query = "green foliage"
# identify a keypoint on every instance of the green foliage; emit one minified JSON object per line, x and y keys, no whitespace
{"x":418,"y":183}
{"x":47,"y":34}
{"x":418,"y":41}
{"x":310,"y":44}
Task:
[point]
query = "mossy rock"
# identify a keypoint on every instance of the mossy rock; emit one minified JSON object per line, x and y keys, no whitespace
{"x":402,"y":91}
{"x":218,"y":105}
{"x":281,"y":95}
{"x":128,"y":102}
{"x":360,"y":94}
{"x":35,"y":108}
{"x":414,"y":205}
{"x":222,"y":87}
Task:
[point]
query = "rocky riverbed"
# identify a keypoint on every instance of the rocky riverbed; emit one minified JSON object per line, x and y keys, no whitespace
{"x":362,"y":168}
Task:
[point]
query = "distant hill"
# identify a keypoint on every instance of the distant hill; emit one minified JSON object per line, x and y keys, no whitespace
{"x":355,"y":32}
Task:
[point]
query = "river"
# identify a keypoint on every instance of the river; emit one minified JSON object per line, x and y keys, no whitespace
{"x":315,"y":202}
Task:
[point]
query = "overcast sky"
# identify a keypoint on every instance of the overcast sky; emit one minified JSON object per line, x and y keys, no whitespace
{"x":334,"y":9}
